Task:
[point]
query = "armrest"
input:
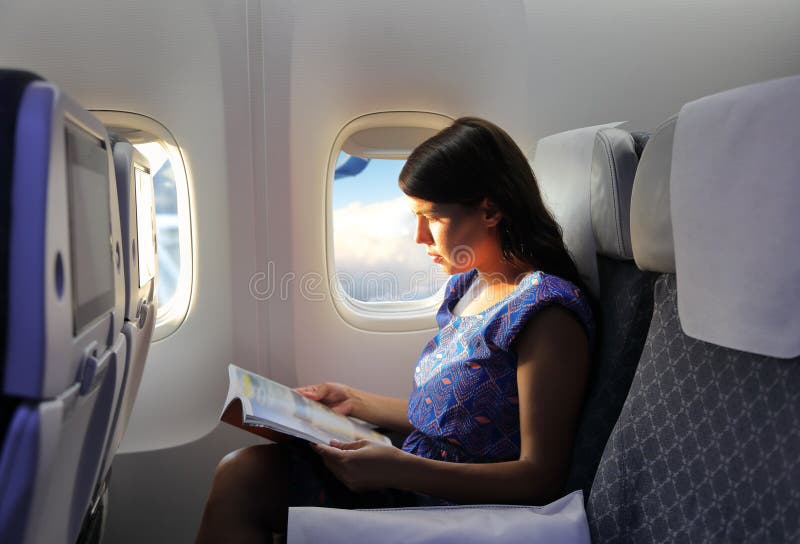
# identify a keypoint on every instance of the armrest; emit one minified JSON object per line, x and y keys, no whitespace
{"x":561,"y":521}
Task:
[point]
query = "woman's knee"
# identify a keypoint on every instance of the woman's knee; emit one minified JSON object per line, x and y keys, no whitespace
{"x":247,"y":496}
{"x":252,"y":469}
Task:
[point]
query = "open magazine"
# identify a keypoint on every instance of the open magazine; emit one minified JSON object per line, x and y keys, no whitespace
{"x":269,"y":409}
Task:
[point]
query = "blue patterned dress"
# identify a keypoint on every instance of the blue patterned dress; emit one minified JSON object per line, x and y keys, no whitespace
{"x":464,"y":405}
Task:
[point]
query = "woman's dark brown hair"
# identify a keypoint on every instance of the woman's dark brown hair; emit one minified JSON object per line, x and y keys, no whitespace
{"x":473,"y":159}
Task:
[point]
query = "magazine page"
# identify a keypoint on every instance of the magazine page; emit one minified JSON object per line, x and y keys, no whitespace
{"x":268,"y":403}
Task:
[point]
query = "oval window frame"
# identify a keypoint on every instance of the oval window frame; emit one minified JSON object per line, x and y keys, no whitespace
{"x":387,"y":316}
{"x":172,"y":315}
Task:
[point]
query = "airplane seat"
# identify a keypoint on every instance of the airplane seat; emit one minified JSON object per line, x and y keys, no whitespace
{"x":706,"y":446}
{"x":138,"y":231}
{"x":62,"y":310}
{"x":138,"y":223}
{"x":586,"y":176}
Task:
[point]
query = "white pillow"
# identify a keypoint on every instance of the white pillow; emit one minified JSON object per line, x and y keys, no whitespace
{"x":561,"y":521}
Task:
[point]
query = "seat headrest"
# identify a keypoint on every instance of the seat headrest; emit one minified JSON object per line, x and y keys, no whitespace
{"x":651,"y":223}
{"x":614,"y":162}
{"x":735,"y":192}
{"x":585,"y":177}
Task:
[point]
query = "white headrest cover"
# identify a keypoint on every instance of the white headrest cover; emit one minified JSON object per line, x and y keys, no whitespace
{"x":614,"y":164}
{"x":651,"y":224}
{"x":735,"y":194}
{"x":562,"y":164}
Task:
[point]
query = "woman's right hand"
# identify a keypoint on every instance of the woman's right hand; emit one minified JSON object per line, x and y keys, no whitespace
{"x":338,"y":397}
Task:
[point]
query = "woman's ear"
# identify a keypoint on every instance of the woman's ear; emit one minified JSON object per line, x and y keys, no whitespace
{"x":491,"y":213}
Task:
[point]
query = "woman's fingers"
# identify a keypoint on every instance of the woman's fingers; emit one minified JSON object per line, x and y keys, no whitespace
{"x":357,"y":445}
{"x":307,"y":391}
{"x":337,"y":450}
{"x":314,"y":392}
{"x":330,"y":456}
{"x":359,"y":465}
{"x":323,"y":449}
{"x":332,"y":395}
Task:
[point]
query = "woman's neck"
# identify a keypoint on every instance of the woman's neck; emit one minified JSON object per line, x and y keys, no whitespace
{"x":490,"y":287}
{"x":503,"y":273}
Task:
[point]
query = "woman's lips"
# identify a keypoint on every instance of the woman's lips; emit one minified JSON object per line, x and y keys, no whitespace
{"x":436,"y":258}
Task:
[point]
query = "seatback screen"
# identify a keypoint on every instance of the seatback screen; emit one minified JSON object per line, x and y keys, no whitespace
{"x":145,"y":202}
{"x":90,"y":227}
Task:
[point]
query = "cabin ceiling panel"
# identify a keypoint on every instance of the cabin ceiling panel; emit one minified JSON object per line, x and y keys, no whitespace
{"x":594,"y":62}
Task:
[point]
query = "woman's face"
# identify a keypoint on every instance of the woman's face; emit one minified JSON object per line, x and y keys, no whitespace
{"x":457,"y":237}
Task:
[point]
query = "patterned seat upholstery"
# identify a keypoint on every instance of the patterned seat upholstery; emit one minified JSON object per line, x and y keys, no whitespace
{"x":705,"y":449}
{"x":706,"y":446}
{"x":624,"y":311}
{"x":604,"y":161}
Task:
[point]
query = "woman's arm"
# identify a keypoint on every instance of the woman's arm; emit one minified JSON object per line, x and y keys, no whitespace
{"x":553,"y":366}
{"x":387,"y":412}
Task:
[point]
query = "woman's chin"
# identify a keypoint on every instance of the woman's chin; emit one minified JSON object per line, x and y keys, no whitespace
{"x":451,"y":269}
{"x":445,"y":267}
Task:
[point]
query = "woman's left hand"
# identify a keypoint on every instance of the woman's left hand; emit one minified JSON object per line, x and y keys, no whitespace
{"x":363,"y":465}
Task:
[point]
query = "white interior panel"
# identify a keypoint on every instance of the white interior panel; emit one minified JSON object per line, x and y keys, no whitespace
{"x":374,"y":56}
{"x":161,"y":60}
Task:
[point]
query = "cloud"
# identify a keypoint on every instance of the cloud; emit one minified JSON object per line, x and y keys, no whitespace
{"x":379,"y":238}
{"x":377,"y":234}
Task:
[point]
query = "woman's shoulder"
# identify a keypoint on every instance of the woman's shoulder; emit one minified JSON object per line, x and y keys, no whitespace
{"x":547,"y":289}
{"x":537,"y":291}
{"x":550,"y":286}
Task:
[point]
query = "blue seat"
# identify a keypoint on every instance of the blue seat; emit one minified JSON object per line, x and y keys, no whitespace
{"x":62,"y":309}
{"x":140,"y":264}
{"x":586,"y":176}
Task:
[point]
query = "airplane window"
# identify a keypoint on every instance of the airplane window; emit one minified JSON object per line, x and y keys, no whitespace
{"x":167,"y":225}
{"x":173,"y":237}
{"x":173,"y":221}
{"x":380,"y":279}
{"x":376,"y":257}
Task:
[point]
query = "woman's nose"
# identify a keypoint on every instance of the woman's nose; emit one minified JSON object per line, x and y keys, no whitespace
{"x":422,"y":235}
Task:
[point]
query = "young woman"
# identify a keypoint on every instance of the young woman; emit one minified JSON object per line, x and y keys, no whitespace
{"x":496,"y":393}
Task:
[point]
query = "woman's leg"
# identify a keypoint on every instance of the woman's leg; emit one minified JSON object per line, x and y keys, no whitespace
{"x":248,"y":498}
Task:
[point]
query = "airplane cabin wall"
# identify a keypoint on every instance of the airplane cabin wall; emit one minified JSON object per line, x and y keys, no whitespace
{"x":161,"y":60}
{"x":346,"y":60}
{"x":255,"y":93}
{"x":594,"y":62}
{"x":534,"y":67}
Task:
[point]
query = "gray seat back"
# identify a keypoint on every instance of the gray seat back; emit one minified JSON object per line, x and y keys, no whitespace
{"x":706,"y":446}
{"x":595,"y":209}
{"x":140,"y":261}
